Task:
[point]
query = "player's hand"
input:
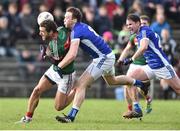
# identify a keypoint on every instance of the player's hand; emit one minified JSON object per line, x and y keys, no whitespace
{"x":59,"y":71}
{"x":43,"y":51}
{"x":119,"y":63}
{"x":51,"y":60}
{"x":127,"y":61}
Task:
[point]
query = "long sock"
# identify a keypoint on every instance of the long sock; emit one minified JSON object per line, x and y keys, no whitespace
{"x":29,"y":114}
{"x":72,"y":114}
{"x":138,"y":83}
{"x":137,"y":107}
{"x":129,"y":107}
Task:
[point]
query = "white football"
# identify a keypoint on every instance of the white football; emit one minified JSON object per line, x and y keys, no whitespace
{"x":44,"y":16}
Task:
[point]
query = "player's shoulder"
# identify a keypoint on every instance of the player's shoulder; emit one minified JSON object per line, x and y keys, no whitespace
{"x":80,"y":25}
{"x":133,"y":36}
{"x":62,"y":29}
{"x":146,"y":28}
{"x":146,"y":31}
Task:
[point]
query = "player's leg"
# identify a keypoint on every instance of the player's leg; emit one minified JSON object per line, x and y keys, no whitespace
{"x":127,"y":95}
{"x":174,"y":83}
{"x":112,"y":80}
{"x":63,"y":100}
{"x":84,"y":81}
{"x":43,"y":85}
{"x":169,"y":75}
{"x":65,"y":92}
{"x":130,"y":93}
{"x":144,"y":75}
{"x":134,"y":93}
{"x":93,"y":72}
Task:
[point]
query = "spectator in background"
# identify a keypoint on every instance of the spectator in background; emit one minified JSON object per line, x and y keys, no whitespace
{"x":160,"y":23}
{"x":15,"y":24}
{"x":26,"y":61}
{"x":28,"y":21}
{"x":168,"y":46}
{"x":119,"y":19}
{"x":123,"y":37}
{"x":150,"y":6}
{"x":102,"y":22}
{"x":2,"y":13}
{"x":4,"y":36}
{"x":43,"y":7}
{"x":110,"y":6}
{"x":172,"y":8}
{"x":58,"y":16}
{"x":6,"y":48}
{"x":137,"y":8}
{"x":88,"y":15}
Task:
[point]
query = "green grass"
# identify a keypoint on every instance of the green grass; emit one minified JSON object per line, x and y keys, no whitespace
{"x":95,"y":114}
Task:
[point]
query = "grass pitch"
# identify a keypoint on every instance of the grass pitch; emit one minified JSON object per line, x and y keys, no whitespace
{"x":95,"y":114}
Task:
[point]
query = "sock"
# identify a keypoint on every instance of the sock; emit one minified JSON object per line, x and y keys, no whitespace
{"x":130,"y":107}
{"x":137,"y":107}
{"x":29,"y":114}
{"x":72,"y":114}
{"x":148,"y":99}
{"x":138,"y":83}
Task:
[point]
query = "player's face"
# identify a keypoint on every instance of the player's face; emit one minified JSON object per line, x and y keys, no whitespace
{"x":132,"y":26}
{"x":68,"y":20}
{"x":43,"y":33}
{"x":144,"y":22}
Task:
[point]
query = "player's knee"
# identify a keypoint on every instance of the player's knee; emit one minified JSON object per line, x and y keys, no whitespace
{"x":36,"y":91}
{"x":59,"y":107}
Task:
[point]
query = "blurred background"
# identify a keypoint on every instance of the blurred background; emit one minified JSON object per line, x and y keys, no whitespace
{"x":20,"y":64}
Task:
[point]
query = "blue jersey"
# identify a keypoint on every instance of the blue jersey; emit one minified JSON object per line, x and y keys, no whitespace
{"x":154,"y":55}
{"x":90,"y":41}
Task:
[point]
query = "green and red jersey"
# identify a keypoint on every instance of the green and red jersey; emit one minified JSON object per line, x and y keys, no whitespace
{"x":140,"y":60}
{"x":60,"y":47}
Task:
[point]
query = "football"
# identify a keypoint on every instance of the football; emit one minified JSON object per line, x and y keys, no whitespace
{"x":44,"y":16}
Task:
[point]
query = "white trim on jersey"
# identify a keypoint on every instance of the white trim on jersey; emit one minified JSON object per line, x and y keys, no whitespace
{"x":76,"y":39}
{"x":156,"y":51}
{"x":89,"y":44}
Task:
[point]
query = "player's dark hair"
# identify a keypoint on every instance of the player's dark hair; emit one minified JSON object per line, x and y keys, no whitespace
{"x":145,"y":17}
{"x":133,"y":17}
{"x":76,"y":13}
{"x":49,"y":25}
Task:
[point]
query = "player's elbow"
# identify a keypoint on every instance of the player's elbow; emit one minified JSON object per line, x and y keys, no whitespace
{"x":73,"y":56}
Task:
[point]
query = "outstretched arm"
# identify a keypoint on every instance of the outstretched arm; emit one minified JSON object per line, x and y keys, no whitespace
{"x":125,"y":52}
{"x":143,"y":47}
{"x":71,"y":55}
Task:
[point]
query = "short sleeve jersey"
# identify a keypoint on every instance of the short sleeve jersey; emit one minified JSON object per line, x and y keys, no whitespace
{"x":154,"y":55}
{"x":90,"y":41}
{"x":140,"y":60}
{"x":60,"y":47}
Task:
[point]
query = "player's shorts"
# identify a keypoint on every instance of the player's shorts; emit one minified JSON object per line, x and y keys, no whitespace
{"x":64,"y":84}
{"x":102,"y":66}
{"x":166,"y":72}
{"x":133,"y":67}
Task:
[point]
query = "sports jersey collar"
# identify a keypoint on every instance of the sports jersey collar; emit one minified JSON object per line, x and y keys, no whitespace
{"x":138,"y":32}
{"x":140,"y":29}
{"x":76,"y":24}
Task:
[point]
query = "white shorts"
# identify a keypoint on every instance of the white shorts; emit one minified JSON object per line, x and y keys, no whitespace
{"x":64,"y":84}
{"x":102,"y":66}
{"x":133,"y":67}
{"x":166,"y":72}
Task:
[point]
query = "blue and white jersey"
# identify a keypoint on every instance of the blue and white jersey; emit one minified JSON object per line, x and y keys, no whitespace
{"x":90,"y":41}
{"x":154,"y":55}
